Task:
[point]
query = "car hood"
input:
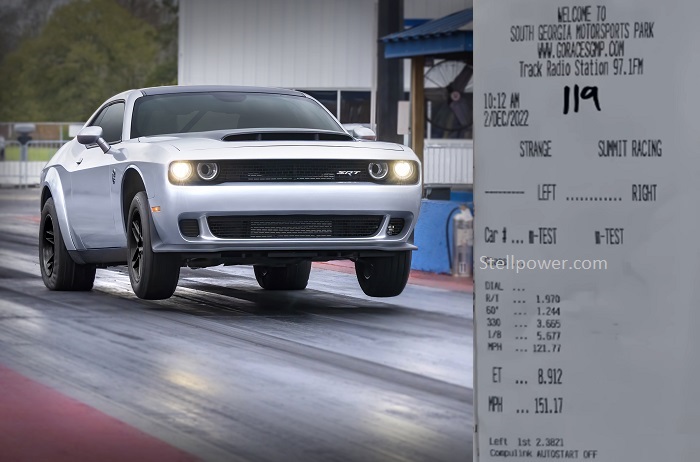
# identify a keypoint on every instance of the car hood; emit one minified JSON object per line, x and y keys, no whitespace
{"x":192,"y":144}
{"x":211,"y":146}
{"x":264,"y":137}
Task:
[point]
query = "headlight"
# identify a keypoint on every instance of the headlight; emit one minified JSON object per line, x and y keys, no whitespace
{"x":378,"y":170}
{"x":403,"y":169}
{"x":207,"y":170}
{"x":180,"y":171}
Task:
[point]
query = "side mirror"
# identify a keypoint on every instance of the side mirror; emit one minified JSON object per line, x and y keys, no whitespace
{"x":93,"y":135}
{"x":360,"y":132}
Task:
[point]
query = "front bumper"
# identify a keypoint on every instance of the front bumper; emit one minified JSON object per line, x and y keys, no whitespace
{"x":199,"y":202}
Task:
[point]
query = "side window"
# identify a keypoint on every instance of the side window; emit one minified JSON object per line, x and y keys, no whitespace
{"x":99,"y":118}
{"x":112,"y":123}
{"x":111,"y":119}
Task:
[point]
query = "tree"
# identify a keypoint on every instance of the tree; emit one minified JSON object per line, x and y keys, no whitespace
{"x":88,"y":51}
{"x":163,"y":15}
{"x":21,"y":19}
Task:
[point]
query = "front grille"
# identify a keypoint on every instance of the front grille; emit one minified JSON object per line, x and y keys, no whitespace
{"x":395,"y":226}
{"x":294,"y":226}
{"x":189,"y":227}
{"x":306,"y":170}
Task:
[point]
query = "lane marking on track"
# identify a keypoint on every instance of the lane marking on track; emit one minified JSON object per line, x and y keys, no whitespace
{"x":38,"y":424}
{"x":61,"y":380}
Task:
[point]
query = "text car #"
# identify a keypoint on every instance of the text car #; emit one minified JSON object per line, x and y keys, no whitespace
{"x":196,"y":176}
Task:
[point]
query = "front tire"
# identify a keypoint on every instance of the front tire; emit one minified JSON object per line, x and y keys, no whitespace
{"x":384,"y":276}
{"x":290,"y":277}
{"x":153,"y":275}
{"x":58,"y":270}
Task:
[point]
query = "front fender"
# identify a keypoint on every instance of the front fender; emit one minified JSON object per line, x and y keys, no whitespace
{"x":151,"y":175}
{"x":52,"y":180}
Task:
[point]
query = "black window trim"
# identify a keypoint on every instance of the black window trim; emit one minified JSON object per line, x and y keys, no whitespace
{"x":294,"y":93}
{"x":91,"y":123}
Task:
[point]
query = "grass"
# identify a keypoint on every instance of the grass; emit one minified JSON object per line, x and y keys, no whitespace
{"x":34,"y":153}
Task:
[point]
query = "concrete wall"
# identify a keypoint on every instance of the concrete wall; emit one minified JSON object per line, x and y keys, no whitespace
{"x":15,"y":173}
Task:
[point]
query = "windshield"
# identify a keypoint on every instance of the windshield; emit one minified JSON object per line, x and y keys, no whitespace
{"x":200,"y":112}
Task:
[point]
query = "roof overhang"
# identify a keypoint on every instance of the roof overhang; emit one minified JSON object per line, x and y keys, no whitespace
{"x":453,"y":43}
{"x":448,"y":35}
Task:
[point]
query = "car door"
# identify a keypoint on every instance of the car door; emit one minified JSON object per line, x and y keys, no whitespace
{"x":90,"y":211}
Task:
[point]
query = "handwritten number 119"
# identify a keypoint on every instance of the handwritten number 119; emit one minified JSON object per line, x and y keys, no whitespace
{"x":579,"y":94}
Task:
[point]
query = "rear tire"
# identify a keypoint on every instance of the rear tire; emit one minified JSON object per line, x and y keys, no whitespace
{"x":153,"y":275}
{"x":290,"y":277}
{"x":384,"y":276}
{"x":58,"y":270}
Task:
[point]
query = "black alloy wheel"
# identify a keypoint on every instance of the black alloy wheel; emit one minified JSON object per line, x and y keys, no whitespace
{"x":136,"y":247}
{"x":58,"y":270}
{"x":48,"y":247}
{"x":153,"y":275}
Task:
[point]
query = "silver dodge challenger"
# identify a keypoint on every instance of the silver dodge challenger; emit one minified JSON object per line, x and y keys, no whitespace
{"x":197,"y":176}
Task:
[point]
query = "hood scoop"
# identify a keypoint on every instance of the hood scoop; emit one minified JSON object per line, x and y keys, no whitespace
{"x":287,"y":136}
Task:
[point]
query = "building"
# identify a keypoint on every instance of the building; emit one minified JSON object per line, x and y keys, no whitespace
{"x":326,"y":48}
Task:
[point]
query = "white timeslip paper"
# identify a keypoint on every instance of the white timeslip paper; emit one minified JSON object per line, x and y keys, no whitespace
{"x":598,"y":364}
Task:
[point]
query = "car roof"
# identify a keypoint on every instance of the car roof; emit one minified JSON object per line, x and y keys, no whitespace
{"x":213,"y":88}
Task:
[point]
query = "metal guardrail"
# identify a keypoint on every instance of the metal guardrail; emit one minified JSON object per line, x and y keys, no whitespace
{"x":17,"y":172}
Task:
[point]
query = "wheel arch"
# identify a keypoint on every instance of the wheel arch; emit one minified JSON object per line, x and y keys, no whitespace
{"x":45,"y":195}
{"x":132,"y":183}
{"x":138,"y":178}
{"x":52,"y":187}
